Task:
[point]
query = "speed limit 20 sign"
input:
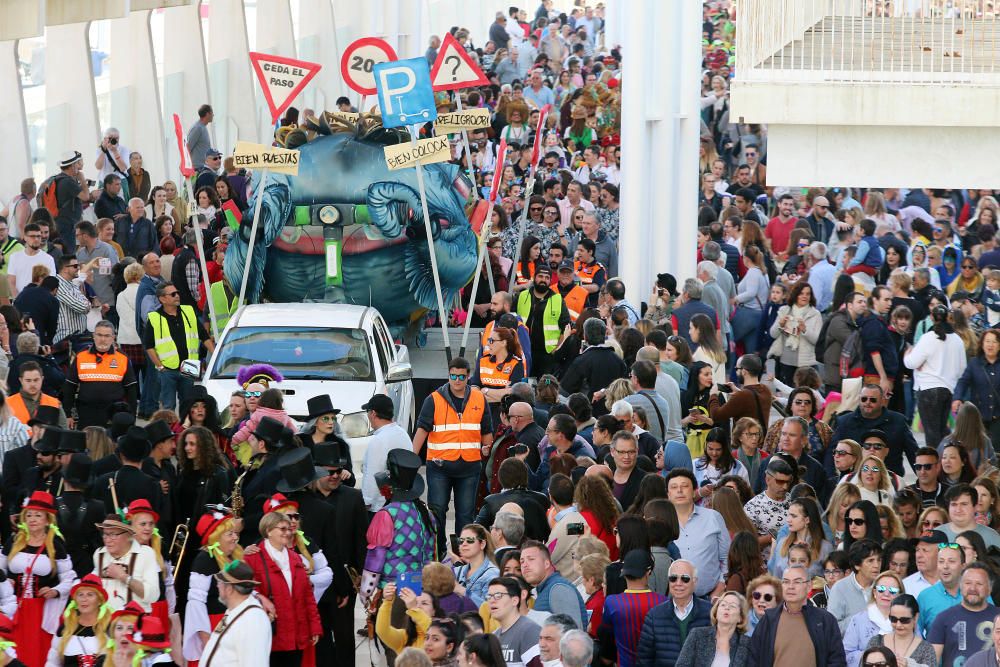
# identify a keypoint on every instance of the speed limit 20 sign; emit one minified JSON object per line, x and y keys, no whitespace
{"x":357,"y":65}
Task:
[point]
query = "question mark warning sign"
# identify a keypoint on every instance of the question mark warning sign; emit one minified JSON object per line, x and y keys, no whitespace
{"x":454,"y":68}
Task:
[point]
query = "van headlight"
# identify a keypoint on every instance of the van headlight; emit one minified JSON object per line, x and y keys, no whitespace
{"x":355,"y":425}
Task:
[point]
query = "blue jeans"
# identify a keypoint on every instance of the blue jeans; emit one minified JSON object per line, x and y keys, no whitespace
{"x":444,"y":477}
{"x":745,"y":323}
{"x":173,"y":383}
{"x":149,"y":401}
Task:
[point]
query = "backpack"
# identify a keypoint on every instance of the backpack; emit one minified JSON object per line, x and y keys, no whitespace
{"x":47,"y":195}
{"x":851,"y":353}
{"x":820,"y":345}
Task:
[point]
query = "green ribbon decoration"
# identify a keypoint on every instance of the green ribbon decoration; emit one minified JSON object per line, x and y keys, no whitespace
{"x":103,"y":611}
{"x":156,"y":531}
{"x":4,"y":645}
{"x":69,"y":608}
{"x":23,"y":527}
{"x":55,"y":528}
{"x":110,"y":645}
{"x":139,"y":655}
{"x":213,"y":550}
{"x":305,"y":540}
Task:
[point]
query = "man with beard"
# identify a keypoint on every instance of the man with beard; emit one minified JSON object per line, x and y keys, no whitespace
{"x":349,"y":522}
{"x":545,"y":315}
{"x":77,"y":515}
{"x":872,"y":415}
{"x":45,"y":475}
{"x":967,"y":627}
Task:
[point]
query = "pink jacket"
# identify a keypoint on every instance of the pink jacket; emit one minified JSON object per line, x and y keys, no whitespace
{"x":250,"y":425}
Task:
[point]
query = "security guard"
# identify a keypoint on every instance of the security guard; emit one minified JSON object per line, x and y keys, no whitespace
{"x":575,"y":296}
{"x":591,"y":273}
{"x":456,"y":425}
{"x":172,"y":336}
{"x":545,"y":315}
{"x":99,"y":377}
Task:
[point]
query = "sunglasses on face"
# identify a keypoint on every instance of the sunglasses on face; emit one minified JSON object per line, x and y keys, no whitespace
{"x":468,"y":540}
{"x":876,"y":663}
{"x":686,"y":578}
{"x":887,"y":589}
{"x":766,"y":597}
{"x":457,"y":377}
{"x":870,"y":469}
{"x":869,"y":399}
{"x":855,"y":522}
{"x":949,"y":545}
{"x":905,"y":620}
{"x":294,"y":516}
{"x":842,"y":452}
{"x":931,"y":524}
{"x":252,"y":394}
{"x":917,"y":467}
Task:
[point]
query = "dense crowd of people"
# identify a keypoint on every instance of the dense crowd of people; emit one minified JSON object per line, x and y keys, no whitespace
{"x":797,"y":441}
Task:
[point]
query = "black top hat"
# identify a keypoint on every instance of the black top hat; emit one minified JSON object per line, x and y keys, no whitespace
{"x":72,"y":442}
{"x":46,"y":415}
{"x":134,"y":445}
{"x":403,"y":475}
{"x":49,"y":442}
{"x":157,"y":431}
{"x":332,"y":454}
{"x":77,"y":472}
{"x":120,"y":422}
{"x":269,"y":430}
{"x":297,"y":470}
{"x":321,"y":405}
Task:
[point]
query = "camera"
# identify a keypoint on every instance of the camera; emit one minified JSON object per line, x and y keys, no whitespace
{"x":113,"y":141}
{"x":574,"y":529}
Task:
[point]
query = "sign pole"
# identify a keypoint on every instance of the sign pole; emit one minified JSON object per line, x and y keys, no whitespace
{"x":253,"y":234}
{"x":529,"y":187}
{"x":468,"y":154}
{"x":483,"y":234}
{"x":204,"y":268}
{"x":442,"y":315}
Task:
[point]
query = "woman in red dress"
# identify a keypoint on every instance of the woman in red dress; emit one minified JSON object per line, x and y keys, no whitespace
{"x":35,"y":559}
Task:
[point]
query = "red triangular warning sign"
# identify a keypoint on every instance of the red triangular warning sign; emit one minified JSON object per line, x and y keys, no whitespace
{"x":454,"y":69}
{"x":281,"y":79}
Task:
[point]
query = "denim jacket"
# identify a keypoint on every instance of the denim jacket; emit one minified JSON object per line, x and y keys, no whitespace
{"x":478,"y":583}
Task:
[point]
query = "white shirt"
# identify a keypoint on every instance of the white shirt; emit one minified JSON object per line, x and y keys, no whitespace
{"x":280,"y":559}
{"x":21,"y":264}
{"x":145,"y":569}
{"x":916,"y":583}
{"x":684,"y":612}
{"x":936,"y":363}
{"x":383,"y":440}
{"x":246,"y":642}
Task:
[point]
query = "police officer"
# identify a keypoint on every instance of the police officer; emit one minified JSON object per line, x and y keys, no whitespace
{"x":100,"y":377}
{"x":456,"y":425}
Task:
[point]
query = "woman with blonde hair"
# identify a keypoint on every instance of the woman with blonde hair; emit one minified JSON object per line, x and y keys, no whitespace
{"x":99,"y":445}
{"x":873,"y":481}
{"x":593,"y":499}
{"x":933,"y":518}
{"x":970,"y":432}
{"x":874,"y":618}
{"x":475,"y":549}
{"x":143,"y":519}
{"x":875,"y":210}
{"x":726,"y":502}
{"x":37,"y":563}
{"x":847,"y":455}
{"x":725,"y":641}
{"x":84,"y":632}
{"x":844,"y":495}
{"x":616,"y":391}
{"x":219,"y":546}
{"x":119,"y":651}
{"x":129,"y":339}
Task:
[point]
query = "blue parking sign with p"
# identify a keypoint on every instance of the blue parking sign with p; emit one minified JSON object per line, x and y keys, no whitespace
{"x":405,"y":95}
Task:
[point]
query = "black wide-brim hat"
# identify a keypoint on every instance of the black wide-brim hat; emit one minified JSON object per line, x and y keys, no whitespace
{"x":72,"y":442}
{"x":49,"y":442}
{"x":46,"y":415}
{"x":134,"y":445}
{"x":199,"y":394}
{"x":297,"y":470}
{"x":269,"y":430}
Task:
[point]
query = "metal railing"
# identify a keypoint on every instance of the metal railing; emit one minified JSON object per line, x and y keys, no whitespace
{"x":878,"y":41}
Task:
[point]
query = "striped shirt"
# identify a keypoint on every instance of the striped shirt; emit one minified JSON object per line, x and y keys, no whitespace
{"x":13,"y":434}
{"x":73,"y":310}
{"x":623,"y":614}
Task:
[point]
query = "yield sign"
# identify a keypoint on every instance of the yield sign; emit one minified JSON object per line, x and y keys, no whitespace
{"x":281,"y":79}
{"x":454,"y":69}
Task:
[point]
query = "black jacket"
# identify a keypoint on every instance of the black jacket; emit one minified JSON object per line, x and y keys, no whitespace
{"x":631,"y":489}
{"x":130,"y":484}
{"x":534,"y":504}
{"x":16,"y":463}
{"x":43,"y":307}
{"x":168,"y":501}
{"x":109,"y":207}
{"x":852,"y":425}
{"x":824,"y":634}
{"x":350,"y":528}
{"x":593,"y":370}
{"x":77,"y":517}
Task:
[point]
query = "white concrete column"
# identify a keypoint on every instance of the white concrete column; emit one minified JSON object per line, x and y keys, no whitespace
{"x":660,"y":128}
{"x":135,"y":93}
{"x":185,"y":76}
{"x":230,"y":76}
{"x":275,"y":36}
{"x":318,"y":43}
{"x":16,"y":165}
{"x":21,"y":18}
{"x":71,"y":120}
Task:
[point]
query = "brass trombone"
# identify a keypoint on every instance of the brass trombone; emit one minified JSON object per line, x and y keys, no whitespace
{"x":179,"y":543}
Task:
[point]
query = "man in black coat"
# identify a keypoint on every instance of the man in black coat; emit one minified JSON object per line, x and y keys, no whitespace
{"x":825,"y":639}
{"x":513,"y":475}
{"x":77,"y":515}
{"x":45,"y":475}
{"x":159,"y":467}
{"x":262,"y":475}
{"x":872,"y":415}
{"x":596,"y":367}
{"x":128,"y":482}
{"x":16,"y":462}
{"x":350,"y":525}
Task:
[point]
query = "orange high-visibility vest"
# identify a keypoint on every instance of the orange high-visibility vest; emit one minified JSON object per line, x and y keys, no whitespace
{"x":520,"y":278}
{"x":576,"y":301}
{"x":456,"y":435}
{"x":586,"y":272}
{"x":494,"y":374}
{"x":20,"y":410}
{"x":110,"y":368}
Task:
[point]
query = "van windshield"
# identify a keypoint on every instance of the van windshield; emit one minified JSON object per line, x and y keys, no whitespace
{"x":300,"y":353}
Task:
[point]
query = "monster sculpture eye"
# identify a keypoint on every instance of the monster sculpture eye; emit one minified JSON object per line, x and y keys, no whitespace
{"x":329,"y":215}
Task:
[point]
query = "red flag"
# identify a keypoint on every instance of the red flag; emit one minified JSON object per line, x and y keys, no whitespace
{"x":537,"y":148}
{"x":498,"y":170}
{"x":187,"y":169}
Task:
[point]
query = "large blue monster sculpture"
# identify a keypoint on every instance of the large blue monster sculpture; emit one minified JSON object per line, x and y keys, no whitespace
{"x":344,"y":191}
